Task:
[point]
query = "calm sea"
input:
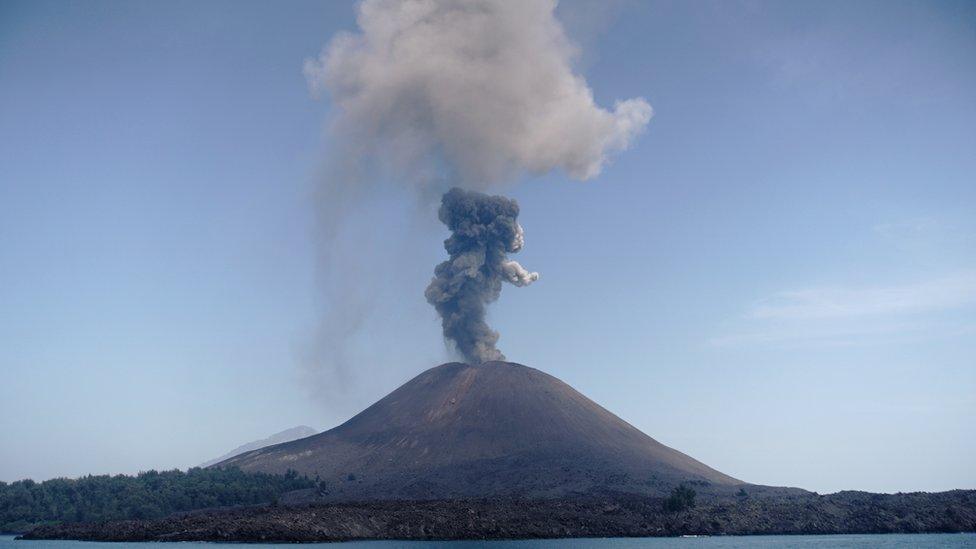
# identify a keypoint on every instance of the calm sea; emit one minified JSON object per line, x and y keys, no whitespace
{"x":890,"y":541}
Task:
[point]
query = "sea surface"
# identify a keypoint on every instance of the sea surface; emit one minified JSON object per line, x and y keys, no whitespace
{"x":886,"y":541}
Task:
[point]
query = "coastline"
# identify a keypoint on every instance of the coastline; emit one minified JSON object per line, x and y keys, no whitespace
{"x":585,"y":517}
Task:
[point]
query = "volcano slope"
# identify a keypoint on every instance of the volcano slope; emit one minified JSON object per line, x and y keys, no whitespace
{"x":496,"y":429}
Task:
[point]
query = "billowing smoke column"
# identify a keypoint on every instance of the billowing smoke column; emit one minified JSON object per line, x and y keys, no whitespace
{"x":484,"y":229}
{"x":436,"y":94}
{"x":473,"y":92}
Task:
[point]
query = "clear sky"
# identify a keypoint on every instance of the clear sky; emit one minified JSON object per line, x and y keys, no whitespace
{"x":778,"y":279}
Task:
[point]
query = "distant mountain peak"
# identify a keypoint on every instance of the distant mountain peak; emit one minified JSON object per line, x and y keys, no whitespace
{"x":287,"y":435}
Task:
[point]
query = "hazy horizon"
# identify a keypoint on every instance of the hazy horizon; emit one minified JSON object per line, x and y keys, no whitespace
{"x":778,"y":278}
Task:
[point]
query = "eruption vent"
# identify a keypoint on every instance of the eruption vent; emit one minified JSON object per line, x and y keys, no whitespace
{"x":484,"y":229}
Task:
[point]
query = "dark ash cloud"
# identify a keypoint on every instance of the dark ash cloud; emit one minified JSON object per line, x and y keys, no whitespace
{"x":484,"y":230}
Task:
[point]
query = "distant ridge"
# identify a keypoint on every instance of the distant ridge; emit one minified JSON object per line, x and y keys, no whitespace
{"x":287,"y":435}
{"x":496,"y":429}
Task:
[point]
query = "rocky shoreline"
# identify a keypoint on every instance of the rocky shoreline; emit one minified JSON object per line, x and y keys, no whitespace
{"x":604,"y":516}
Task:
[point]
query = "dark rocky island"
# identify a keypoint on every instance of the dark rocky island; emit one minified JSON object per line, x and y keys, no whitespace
{"x":607,"y":516}
{"x":500,"y":451}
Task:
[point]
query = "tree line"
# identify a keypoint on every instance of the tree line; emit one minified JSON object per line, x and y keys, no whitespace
{"x":150,"y":494}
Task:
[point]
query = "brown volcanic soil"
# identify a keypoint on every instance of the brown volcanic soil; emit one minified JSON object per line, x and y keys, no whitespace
{"x":497,"y":429}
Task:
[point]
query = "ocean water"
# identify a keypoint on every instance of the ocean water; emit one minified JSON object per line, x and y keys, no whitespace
{"x":887,"y":541}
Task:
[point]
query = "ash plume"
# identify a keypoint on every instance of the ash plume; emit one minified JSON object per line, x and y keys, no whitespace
{"x":434,"y":94}
{"x":484,"y":230}
{"x":468,"y":92}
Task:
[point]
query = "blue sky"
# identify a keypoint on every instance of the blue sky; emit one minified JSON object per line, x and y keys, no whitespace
{"x":778,"y":279}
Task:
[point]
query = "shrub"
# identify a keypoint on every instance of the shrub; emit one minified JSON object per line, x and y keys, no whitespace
{"x":681,"y":498}
{"x":152,"y":494}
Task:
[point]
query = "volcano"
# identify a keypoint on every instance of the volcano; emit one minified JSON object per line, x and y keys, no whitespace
{"x":491,"y":430}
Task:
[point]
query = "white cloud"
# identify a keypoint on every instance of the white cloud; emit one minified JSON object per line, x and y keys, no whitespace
{"x":842,"y":316}
{"x":957,"y":290}
{"x":910,"y":229}
{"x":843,"y":334}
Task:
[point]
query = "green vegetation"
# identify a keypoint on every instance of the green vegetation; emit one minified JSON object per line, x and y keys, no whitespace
{"x":152,"y":494}
{"x":681,"y":498}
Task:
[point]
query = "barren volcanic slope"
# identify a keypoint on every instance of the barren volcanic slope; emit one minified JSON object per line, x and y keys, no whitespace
{"x":479,"y":431}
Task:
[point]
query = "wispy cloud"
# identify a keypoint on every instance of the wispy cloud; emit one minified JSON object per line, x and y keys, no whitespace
{"x":910,"y":229}
{"x":841,"y":316}
{"x":957,"y":290}
{"x":844,"y":334}
{"x":927,"y":234}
